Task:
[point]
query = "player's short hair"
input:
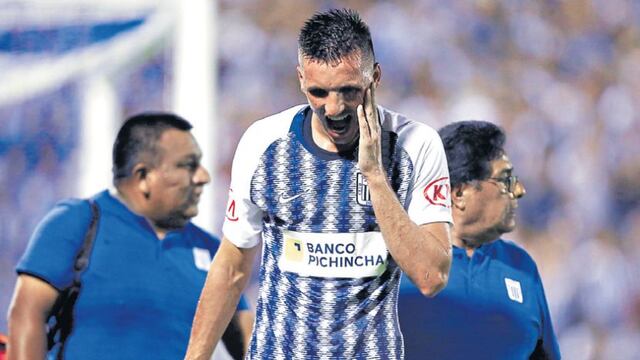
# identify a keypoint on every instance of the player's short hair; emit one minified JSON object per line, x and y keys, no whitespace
{"x":470,"y":147}
{"x":137,"y":139}
{"x":332,"y":35}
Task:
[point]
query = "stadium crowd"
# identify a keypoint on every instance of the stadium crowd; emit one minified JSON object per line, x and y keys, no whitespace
{"x":560,"y":77}
{"x":39,"y":139}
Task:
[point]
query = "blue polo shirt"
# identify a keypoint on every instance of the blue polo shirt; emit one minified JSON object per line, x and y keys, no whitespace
{"x":139,"y":294}
{"x":493,"y":308}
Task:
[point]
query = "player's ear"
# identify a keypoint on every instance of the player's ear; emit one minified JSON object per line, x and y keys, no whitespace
{"x":377,"y":73}
{"x":300,"y":77}
{"x":140,"y":174}
{"x":458,"y":196}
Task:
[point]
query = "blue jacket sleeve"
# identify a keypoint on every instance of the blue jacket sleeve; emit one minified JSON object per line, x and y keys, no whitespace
{"x":55,"y":242}
{"x":243,"y":304}
{"x":549,"y":342}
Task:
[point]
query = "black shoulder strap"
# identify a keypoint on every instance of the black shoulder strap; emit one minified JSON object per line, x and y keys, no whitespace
{"x":539,"y":353}
{"x":63,"y":308}
{"x":82,"y":259}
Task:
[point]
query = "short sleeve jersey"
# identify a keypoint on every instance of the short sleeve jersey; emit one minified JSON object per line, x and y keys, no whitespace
{"x":138,"y":295}
{"x":328,"y":286}
{"x":494,"y":307}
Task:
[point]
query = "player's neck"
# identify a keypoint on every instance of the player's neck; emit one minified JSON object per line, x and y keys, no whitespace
{"x":124,"y":194}
{"x":469,"y":240}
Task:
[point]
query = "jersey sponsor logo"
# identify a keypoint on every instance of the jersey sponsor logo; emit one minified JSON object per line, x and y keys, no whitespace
{"x":363,"y":196}
{"x":231,"y":208}
{"x":438,"y":191}
{"x":201,"y":258}
{"x":283,"y":199}
{"x":334,"y":255}
{"x":514,"y":290}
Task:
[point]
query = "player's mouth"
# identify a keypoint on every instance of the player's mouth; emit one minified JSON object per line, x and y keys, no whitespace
{"x":511,"y":212}
{"x":339,"y":125}
{"x":194,"y":197}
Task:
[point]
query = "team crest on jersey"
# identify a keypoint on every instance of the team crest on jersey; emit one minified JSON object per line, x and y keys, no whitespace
{"x":438,"y":191}
{"x":201,"y":258}
{"x":514,"y":290}
{"x":363,"y":196}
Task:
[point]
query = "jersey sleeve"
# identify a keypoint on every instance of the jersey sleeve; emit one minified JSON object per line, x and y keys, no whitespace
{"x":53,"y":246}
{"x":429,"y":197}
{"x":548,"y":343}
{"x":243,"y":219}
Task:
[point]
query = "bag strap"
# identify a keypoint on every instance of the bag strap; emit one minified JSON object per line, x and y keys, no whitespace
{"x":68,"y":300}
{"x":82,"y":259}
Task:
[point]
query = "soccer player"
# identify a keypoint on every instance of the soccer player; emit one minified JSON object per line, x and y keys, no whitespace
{"x":494,"y":306}
{"x":344,"y":195}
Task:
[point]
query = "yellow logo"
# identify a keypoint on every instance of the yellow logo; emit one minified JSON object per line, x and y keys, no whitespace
{"x":292,"y":249}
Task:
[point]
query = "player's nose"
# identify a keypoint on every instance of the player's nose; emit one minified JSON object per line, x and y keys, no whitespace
{"x":334,"y":105}
{"x":201,"y":176}
{"x":519,"y":190}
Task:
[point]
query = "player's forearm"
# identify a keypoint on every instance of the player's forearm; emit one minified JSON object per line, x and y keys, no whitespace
{"x":425,"y":257}
{"x":216,"y":307}
{"x":30,"y":307}
{"x":27,"y":335}
{"x":212,"y":316}
{"x":246,"y":320}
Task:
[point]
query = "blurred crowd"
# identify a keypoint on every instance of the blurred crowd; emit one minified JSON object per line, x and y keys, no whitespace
{"x":36,"y":139}
{"x":39,"y":157}
{"x":561,"y":77}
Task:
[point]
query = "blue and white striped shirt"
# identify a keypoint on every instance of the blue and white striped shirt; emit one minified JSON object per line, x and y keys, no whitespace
{"x":328,"y":286}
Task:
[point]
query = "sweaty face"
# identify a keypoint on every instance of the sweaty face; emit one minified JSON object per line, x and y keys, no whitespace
{"x":177,"y":180}
{"x":491,"y":207}
{"x":334,"y":92}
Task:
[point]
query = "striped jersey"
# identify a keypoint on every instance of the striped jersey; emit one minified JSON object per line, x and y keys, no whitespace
{"x":328,"y":286}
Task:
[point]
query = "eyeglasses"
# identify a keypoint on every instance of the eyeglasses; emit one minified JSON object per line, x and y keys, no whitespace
{"x":509,"y":182}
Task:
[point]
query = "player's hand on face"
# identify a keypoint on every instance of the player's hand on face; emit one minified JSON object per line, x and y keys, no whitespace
{"x":369,"y":153}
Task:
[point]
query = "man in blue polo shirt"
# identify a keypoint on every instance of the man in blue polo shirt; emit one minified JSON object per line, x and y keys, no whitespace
{"x":148,"y":263}
{"x":494,"y":306}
